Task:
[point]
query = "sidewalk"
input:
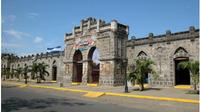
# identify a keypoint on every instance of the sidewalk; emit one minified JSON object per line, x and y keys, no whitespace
{"x":164,"y":93}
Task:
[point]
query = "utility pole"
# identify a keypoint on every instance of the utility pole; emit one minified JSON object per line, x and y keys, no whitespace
{"x":124,"y":63}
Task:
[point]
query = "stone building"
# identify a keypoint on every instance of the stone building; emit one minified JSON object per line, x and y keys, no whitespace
{"x":110,"y":40}
{"x":77,"y":65}
{"x":167,"y":51}
{"x":54,"y":60}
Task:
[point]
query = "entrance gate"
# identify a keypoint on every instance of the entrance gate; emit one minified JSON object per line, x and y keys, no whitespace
{"x":110,"y":39}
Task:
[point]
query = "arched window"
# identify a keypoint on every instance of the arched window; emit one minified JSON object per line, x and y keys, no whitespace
{"x":142,"y":55}
{"x":180,"y":52}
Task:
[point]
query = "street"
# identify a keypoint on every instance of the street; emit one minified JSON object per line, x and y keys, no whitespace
{"x":27,"y":99}
{"x":15,"y":99}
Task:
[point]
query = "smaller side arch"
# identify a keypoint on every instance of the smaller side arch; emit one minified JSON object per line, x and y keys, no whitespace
{"x":180,"y":49}
{"x":181,"y":52}
{"x":142,"y":55}
{"x":54,"y":71}
{"x":181,"y":76}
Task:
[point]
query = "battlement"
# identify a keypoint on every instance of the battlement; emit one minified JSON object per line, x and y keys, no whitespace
{"x":99,"y":25}
{"x":192,"y":33}
{"x":42,"y":55}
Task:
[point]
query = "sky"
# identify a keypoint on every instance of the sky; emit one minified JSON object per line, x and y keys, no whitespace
{"x":30,"y":26}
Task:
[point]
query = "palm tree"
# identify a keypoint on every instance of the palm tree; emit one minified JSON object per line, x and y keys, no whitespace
{"x":34,"y":71}
{"x":143,"y":66}
{"x":18,"y":72}
{"x":193,"y":67}
{"x":6,"y":73}
{"x":42,"y":71}
{"x":38,"y":71}
{"x":25,"y":72}
{"x":12,"y":73}
{"x":3,"y":73}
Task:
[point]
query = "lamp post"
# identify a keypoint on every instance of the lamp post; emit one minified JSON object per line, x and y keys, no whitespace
{"x":125,"y":78}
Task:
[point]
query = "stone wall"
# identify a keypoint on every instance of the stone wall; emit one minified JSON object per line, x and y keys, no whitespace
{"x":51,"y":59}
{"x":162,"y":50}
{"x":109,"y":38}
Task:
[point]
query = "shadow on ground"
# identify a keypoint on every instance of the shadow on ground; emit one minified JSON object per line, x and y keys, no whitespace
{"x":147,"y":89}
{"x":14,"y":104}
{"x":9,"y":86}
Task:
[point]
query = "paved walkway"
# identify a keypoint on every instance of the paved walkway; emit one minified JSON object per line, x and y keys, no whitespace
{"x":158,"y":92}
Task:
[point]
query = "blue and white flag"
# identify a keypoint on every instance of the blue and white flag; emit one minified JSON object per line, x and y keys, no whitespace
{"x":54,"y":49}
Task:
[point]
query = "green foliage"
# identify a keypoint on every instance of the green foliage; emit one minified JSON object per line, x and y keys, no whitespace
{"x":193,"y":67}
{"x":25,"y":73}
{"x":143,"y":66}
{"x":6,"y":73}
{"x":42,"y":70}
{"x":38,"y":71}
{"x":34,"y":70}
{"x":18,"y":72}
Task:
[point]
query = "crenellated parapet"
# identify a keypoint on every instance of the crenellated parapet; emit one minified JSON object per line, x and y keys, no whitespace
{"x":191,"y":34}
{"x":41,"y":55}
{"x":99,"y":26}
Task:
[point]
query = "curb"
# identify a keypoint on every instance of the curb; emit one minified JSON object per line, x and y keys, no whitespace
{"x":111,"y":94}
{"x":155,"y":98}
{"x":183,"y":87}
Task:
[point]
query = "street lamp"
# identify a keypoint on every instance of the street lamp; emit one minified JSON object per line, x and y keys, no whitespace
{"x":125,"y":78}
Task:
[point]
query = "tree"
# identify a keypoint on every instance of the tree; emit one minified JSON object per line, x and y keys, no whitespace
{"x":5,"y":73}
{"x":193,"y":67}
{"x":12,"y":73}
{"x":34,"y":71}
{"x":143,"y":66}
{"x":42,"y":71}
{"x":25,"y":73}
{"x":18,"y":72}
{"x":38,"y":71}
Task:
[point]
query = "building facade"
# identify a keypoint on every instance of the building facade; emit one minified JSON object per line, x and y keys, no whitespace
{"x":53,"y":60}
{"x":115,"y":52}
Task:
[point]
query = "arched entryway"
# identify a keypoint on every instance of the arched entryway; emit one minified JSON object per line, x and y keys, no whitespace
{"x":182,"y":76}
{"x":142,"y":56}
{"x":54,"y":71}
{"x":77,"y":66}
{"x":93,"y":65}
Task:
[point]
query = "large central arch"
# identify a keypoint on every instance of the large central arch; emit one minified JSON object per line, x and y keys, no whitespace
{"x":93,"y":65}
{"x":77,"y":66}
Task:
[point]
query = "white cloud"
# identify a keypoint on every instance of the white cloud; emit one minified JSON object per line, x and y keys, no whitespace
{"x":16,"y":34}
{"x":11,"y":45}
{"x":11,"y":18}
{"x":33,"y":14}
{"x":38,"y":40}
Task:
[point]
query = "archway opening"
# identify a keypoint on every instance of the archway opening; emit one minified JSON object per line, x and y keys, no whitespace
{"x":146,"y":78}
{"x":77,"y":66}
{"x":182,"y":76}
{"x":54,"y":73}
{"x":143,"y":56}
{"x":93,"y":66}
